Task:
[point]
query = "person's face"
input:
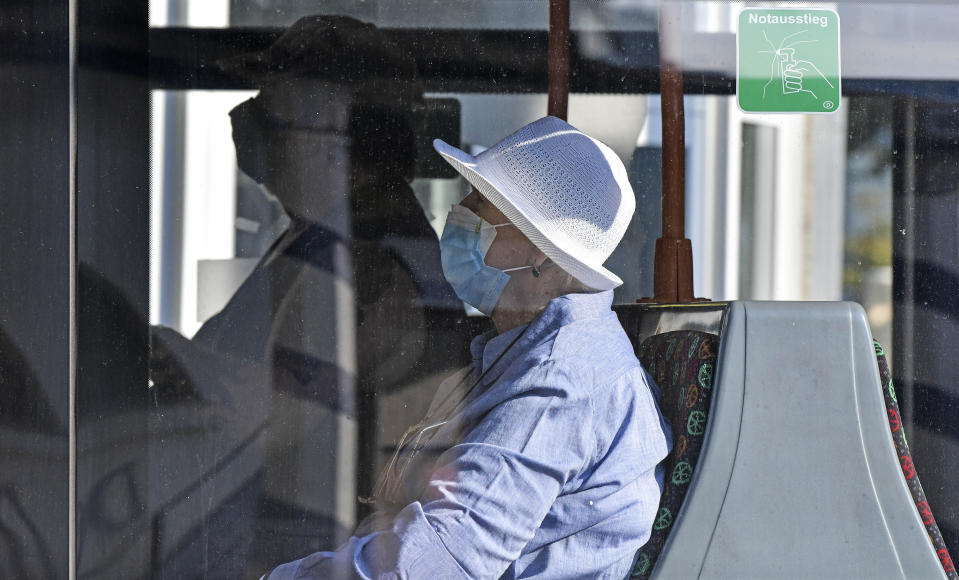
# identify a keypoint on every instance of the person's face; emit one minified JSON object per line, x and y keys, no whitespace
{"x":303,"y":103}
{"x":300,"y":162}
{"x":510,"y":248}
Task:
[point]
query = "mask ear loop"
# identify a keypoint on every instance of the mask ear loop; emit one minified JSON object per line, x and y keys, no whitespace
{"x":518,"y":268}
{"x":537,"y":270}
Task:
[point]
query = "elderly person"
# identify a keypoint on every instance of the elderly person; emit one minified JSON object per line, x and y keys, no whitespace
{"x":540,"y":459}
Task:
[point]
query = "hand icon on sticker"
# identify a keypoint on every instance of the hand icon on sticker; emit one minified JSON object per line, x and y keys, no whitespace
{"x":788,"y":69}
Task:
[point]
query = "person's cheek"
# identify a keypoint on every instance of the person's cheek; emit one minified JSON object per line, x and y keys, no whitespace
{"x":511,"y":254}
{"x":498,"y":254}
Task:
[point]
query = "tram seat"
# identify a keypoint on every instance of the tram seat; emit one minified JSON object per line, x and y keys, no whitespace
{"x":681,"y":362}
{"x":798,"y":475}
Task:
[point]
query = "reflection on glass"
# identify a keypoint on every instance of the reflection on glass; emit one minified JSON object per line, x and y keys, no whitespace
{"x":438,"y":14}
{"x":313,"y":319}
{"x":33,"y":445}
{"x":298,"y":346}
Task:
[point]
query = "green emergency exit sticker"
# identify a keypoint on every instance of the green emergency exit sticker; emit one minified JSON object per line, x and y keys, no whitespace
{"x":788,"y":61}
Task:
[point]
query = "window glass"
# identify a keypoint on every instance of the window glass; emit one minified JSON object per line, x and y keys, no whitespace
{"x":209,"y":222}
{"x":299,"y":320}
{"x":867,"y":268}
{"x":436,"y":14}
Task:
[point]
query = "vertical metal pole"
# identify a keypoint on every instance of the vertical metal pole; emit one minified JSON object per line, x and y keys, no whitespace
{"x":904,"y":255}
{"x":673,"y":263}
{"x":172,"y":194}
{"x":674,"y":126}
{"x":72,"y":283}
{"x":558,"y":58}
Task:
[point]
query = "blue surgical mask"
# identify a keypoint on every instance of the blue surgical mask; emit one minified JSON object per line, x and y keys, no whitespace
{"x":463,"y":246}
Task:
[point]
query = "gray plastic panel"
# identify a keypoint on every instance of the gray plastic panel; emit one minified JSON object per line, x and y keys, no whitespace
{"x":687,"y":545}
{"x":798,"y":476}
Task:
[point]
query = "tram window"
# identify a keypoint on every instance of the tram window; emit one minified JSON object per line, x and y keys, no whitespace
{"x":297,"y":298}
{"x":294,"y":328}
{"x":867,"y":267}
{"x":209,"y":222}
{"x":331,"y":366}
{"x":462,"y":14}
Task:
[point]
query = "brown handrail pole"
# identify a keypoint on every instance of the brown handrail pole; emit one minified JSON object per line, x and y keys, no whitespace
{"x":673,"y":261}
{"x":558,"y":58}
{"x":674,"y":126}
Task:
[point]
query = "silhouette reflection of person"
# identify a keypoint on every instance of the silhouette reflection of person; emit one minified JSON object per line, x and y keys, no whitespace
{"x":358,"y":265}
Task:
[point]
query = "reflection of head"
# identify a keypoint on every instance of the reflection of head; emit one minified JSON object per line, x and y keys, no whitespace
{"x":315,"y":62}
{"x":568,"y":193}
{"x":24,"y":401}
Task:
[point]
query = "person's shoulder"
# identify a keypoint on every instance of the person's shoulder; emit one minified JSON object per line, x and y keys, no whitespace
{"x":596,"y":348}
{"x":596,"y":337}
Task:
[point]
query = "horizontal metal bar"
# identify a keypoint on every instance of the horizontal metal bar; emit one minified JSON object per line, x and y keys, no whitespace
{"x":488,"y":61}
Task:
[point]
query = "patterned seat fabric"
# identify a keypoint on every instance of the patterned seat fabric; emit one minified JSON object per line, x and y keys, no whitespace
{"x":681,"y":363}
{"x":905,"y":461}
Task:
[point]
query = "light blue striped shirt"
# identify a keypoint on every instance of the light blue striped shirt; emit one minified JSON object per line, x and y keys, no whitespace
{"x":548,"y":469}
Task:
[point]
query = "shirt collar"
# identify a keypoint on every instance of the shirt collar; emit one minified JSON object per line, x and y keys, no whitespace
{"x":570,"y":308}
{"x":489,"y":346}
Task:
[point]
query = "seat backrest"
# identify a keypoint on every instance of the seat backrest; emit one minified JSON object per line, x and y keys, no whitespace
{"x":797,"y":474}
{"x":908,"y":469}
{"x":681,"y":362}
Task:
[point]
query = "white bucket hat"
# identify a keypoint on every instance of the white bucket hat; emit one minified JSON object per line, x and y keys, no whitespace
{"x":567,"y":192}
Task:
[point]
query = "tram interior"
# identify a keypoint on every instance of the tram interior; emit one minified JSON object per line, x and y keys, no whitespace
{"x":813,"y":236}
{"x":779,"y":208}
